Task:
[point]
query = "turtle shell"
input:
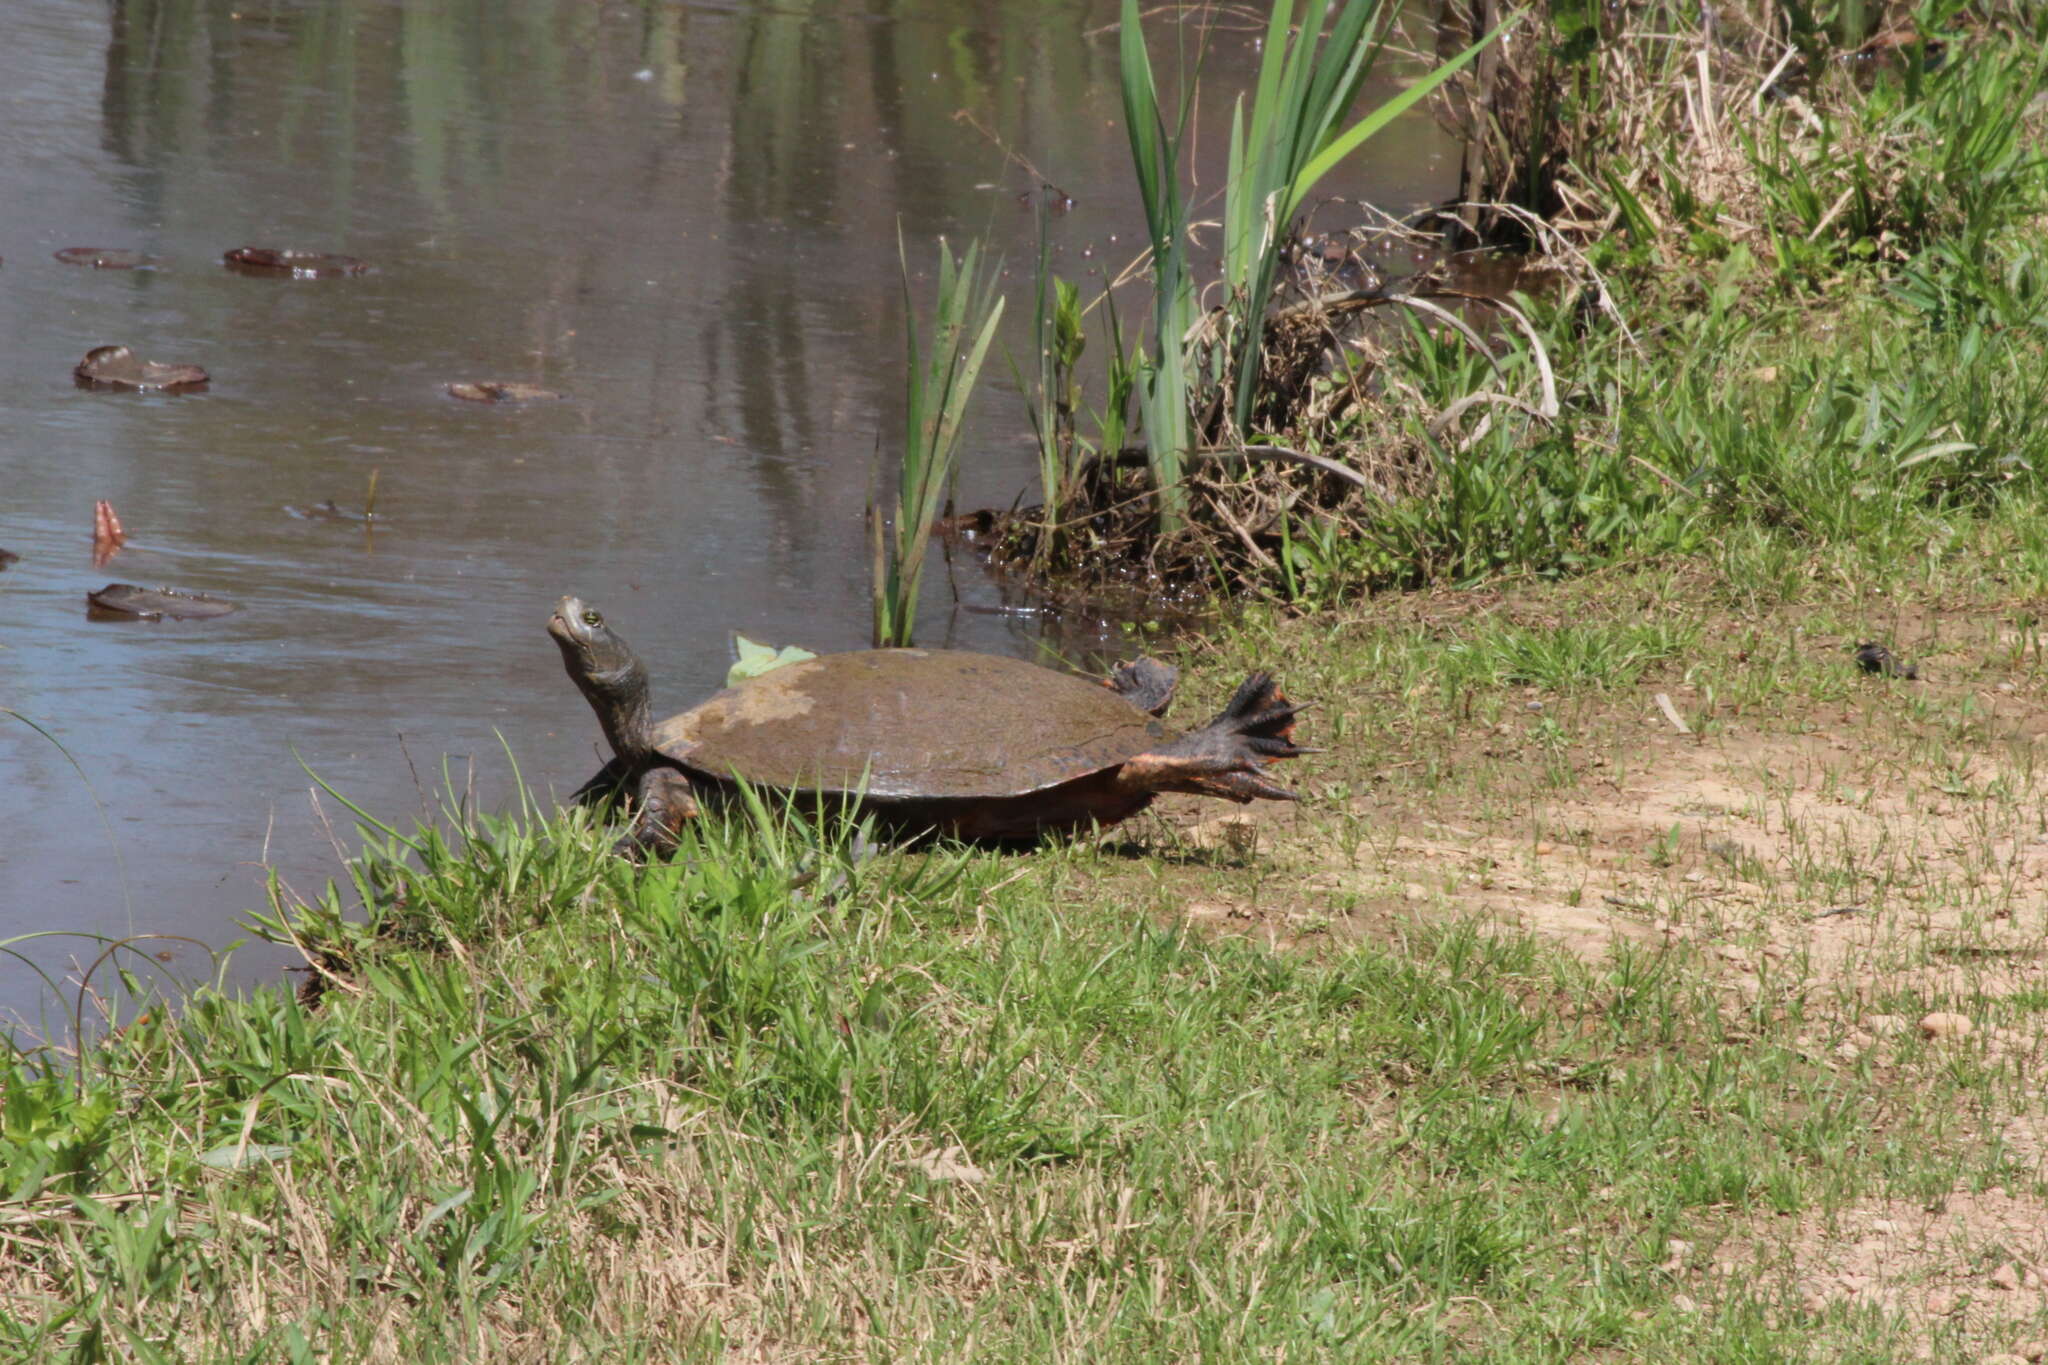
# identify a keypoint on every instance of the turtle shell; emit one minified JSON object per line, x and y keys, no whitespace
{"x":910,"y":724}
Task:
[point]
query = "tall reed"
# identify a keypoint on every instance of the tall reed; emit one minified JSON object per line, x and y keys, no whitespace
{"x":1165,"y":391}
{"x":1058,"y":340}
{"x":938,"y":382}
{"x":1307,"y":84}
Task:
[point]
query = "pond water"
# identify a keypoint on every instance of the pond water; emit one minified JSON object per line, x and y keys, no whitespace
{"x":681,"y":216}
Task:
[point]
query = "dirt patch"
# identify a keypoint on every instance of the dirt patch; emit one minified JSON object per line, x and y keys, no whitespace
{"x":1966,"y":1275}
{"x":1880,"y":863}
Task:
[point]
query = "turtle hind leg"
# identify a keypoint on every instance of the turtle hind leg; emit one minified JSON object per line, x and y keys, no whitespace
{"x":1261,"y":715}
{"x":1145,"y":683}
{"x":1228,"y":756}
{"x":662,"y":803}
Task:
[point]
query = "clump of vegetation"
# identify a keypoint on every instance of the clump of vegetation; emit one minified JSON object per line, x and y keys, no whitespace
{"x":939,"y":379}
{"x":1317,"y":434}
{"x":1321,"y":1099}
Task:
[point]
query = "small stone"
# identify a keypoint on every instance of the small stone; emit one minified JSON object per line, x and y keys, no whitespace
{"x":1229,"y":833}
{"x":2007,"y":687}
{"x":949,"y":1163}
{"x":1884,"y":1225}
{"x":1685,"y":1303}
{"x":2031,"y":1350}
{"x":1942,"y":1302}
{"x":1943,"y":1024}
{"x":1884,"y":1025}
{"x":2006,"y":1276}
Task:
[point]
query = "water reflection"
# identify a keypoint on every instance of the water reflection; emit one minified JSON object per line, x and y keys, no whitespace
{"x":683,"y":217}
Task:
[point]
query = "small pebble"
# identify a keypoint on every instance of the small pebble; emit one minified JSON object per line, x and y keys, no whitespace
{"x":2006,"y":1276}
{"x":1942,"y":1024}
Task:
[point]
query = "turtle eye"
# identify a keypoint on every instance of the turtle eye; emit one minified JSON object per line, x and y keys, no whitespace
{"x":591,"y":618}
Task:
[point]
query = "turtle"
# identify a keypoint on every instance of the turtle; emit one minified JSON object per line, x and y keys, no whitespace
{"x":927,"y":741}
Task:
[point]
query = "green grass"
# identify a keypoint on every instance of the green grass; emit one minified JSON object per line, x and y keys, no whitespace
{"x":1321,"y":1097}
{"x":955,"y":1105}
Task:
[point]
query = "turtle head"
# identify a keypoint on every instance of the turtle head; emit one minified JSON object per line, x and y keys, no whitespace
{"x":608,"y":673}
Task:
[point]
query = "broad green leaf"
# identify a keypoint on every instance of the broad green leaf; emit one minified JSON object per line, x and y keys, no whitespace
{"x":751,"y":659}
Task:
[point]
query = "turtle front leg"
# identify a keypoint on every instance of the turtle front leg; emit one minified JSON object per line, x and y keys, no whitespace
{"x":661,"y":805}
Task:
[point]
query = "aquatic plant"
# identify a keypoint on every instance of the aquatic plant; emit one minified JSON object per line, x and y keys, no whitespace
{"x":1164,"y":390}
{"x":938,"y":382}
{"x":1057,"y":341}
{"x":1307,"y":85}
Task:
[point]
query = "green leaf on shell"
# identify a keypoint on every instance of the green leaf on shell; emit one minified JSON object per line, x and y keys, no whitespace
{"x":751,"y":659}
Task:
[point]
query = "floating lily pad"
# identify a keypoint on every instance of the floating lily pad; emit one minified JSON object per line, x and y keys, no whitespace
{"x":117,"y":367}
{"x":299,"y":265}
{"x":125,"y":601}
{"x":104,"y":257}
{"x":495,"y":391}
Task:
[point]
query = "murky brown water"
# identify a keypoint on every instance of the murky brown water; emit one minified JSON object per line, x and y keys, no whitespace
{"x":682,"y":216}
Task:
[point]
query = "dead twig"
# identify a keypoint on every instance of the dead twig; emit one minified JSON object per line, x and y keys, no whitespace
{"x":1289,"y":455}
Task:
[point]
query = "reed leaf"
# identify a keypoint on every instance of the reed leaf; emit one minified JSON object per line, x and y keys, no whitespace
{"x":938,"y":383}
{"x":1155,"y":153}
{"x":1307,"y":85}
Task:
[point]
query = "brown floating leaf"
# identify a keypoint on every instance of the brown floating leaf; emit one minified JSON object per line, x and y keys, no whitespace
{"x":8,"y":557}
{"x":330,"y":510}
{"x":501,"y":391}
{"x":108,"y":535}
{"x":104,"y":257}
{"x":117,"y":367}
{"x":125,"y":601}
{"x":299,"y":265}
